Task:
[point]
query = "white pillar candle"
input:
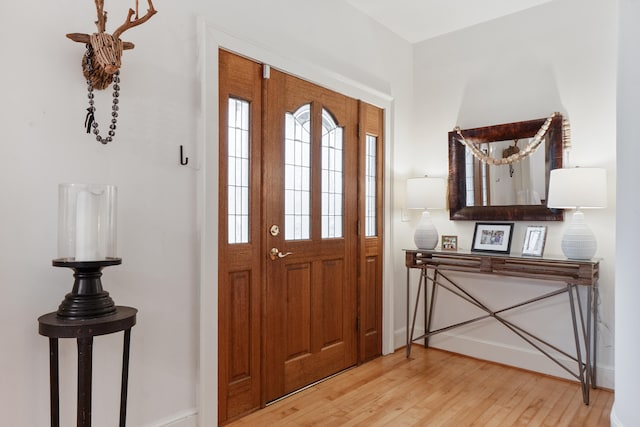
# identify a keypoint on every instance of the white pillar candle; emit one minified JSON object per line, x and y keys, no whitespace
{"x":87,"y":226}
{"x":87,"y":222}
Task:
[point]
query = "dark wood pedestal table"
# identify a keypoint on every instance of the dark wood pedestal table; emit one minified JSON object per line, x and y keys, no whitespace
{"x":53,"y":326}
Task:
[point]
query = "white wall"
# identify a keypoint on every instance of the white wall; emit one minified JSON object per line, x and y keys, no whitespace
{"x":43,"y":145}
{"x":42,"y":114}
{"x":560,"y":56}
{"x":627,"y":376}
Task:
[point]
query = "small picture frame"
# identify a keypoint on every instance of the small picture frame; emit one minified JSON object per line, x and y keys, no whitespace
{"x":449,"y":243}
{"x":492,"y":237}
{"x":534,"y":240}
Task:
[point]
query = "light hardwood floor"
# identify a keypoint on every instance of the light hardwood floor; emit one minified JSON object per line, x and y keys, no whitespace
{"x":436,"y":388}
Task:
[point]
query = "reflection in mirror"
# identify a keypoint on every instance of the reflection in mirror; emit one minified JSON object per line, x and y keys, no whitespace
{"x":510,"y":191}
{"x":521,"y":183}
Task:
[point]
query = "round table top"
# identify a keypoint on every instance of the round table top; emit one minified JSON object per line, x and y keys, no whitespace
{"x":53,"y":326}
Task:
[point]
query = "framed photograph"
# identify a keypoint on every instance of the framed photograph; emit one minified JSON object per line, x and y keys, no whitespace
{"x":449,"y":243}
{"x":492,"y":237}
{"x":534,"y":239}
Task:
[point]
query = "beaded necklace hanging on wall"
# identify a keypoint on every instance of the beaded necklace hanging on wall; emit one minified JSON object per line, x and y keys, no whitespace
{"x":101,"y":63}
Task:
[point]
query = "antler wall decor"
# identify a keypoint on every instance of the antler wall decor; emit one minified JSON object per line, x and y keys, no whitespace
{"x":107,"y":48}
{"x":102,"y":59}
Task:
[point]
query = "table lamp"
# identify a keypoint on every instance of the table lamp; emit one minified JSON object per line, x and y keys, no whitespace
{"x":425,"y":193}
{"x":578,"y":188}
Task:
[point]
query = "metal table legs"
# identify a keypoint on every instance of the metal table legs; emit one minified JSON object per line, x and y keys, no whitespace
{"x":584,"y":332}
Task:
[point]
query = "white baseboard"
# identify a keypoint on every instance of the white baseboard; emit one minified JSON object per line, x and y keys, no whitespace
{"x":187,"y":418}
{"x":613,"y":418}
{"x":521,"y":357}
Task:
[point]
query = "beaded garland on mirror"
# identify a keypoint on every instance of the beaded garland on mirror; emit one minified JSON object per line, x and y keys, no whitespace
{"x":516,"y":155}
{"x":90,"y":122}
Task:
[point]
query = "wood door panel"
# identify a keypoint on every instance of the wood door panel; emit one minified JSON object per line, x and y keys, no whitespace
{"x":298,"y":310}
{"x":239,"y":327}
{"x":238,"y":330}
{"x":302,"y":371}
{"x":331,"y":303}
{"x":370,"y":308}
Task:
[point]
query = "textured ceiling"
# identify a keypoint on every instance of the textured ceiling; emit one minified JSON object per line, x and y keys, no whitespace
{"x":417,"y":20}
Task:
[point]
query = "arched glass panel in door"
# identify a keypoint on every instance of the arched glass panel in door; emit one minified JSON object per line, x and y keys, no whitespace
{"x":297,"y":174}
{"x":332,"y":177}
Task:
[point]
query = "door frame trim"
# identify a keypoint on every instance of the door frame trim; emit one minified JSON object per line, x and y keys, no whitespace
{"x":210,"y":39}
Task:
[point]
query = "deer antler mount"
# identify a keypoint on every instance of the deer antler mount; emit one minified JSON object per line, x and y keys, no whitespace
{"x":104,"y":50}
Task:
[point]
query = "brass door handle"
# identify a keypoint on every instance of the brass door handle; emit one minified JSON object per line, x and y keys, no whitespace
{"x":275,"y":253}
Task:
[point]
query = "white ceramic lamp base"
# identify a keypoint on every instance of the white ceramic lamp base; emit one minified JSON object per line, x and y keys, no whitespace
{"x":578,"y":241}
{"x":426,"y":234}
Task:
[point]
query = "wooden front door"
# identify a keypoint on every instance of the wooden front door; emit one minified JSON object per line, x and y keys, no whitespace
{"x":310,"y":198}
{"x":300,"y":234}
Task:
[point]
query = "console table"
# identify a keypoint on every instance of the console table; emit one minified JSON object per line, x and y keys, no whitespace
{"x":573,"y":274}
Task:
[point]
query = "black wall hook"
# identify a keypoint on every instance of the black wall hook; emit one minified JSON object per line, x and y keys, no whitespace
{"x":183,"y":160}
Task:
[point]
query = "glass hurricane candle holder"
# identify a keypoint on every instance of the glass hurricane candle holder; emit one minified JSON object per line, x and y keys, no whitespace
{"x":87,"y":222}
{"x":86,"y":244}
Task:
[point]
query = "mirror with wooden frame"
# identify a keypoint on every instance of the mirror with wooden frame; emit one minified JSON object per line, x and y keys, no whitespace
{"x":505,"y":192}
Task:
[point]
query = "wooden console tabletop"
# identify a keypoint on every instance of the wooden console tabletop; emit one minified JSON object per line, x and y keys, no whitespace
{"x":562,"y":270}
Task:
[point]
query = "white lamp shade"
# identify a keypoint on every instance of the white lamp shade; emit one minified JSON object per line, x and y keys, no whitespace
{"x":577,"y":188}
{"x":426,"y":193}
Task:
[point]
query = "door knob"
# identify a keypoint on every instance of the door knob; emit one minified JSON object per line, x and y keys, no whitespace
{"x":275,"y":253}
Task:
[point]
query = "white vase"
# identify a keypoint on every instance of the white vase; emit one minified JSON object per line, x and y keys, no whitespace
{"x":578,"y":241}
{"x":426,"y":234}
